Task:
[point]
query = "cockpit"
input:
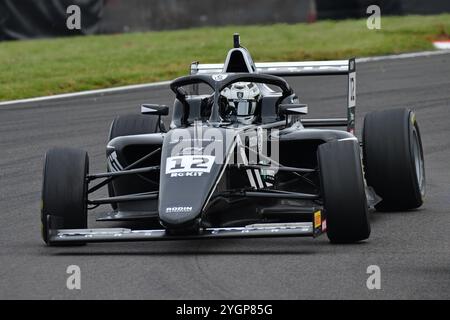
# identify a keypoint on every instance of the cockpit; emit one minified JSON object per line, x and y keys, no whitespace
{"x":243,"y":102}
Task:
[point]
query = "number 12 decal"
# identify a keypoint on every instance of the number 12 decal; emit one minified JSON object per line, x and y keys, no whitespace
{"x":195,"y":163}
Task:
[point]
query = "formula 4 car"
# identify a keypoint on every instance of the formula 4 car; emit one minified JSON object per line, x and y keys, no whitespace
{"x":241,"y":160}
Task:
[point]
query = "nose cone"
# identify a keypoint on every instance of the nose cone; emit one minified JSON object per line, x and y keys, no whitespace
{"x":191,"y":164}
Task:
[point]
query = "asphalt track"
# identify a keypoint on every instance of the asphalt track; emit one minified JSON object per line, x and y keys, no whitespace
{"x":411,"y":248}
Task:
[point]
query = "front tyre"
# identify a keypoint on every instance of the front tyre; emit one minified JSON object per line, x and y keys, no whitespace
{"x":343,"y":191}
{"x":64,"y":190}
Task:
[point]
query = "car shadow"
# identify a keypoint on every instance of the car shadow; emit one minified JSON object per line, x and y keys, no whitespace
{"x":219,"y":247}
{"x":183,"y":253}
{"x":302,"y":246}
{"x":376,"y":216}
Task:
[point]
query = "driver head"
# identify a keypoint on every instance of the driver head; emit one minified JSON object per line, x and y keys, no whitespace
{"x":242,"y":101}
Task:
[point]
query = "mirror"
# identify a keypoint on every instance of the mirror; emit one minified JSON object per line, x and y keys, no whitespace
{"x":155,"y":109}
{"x":295,"y":108}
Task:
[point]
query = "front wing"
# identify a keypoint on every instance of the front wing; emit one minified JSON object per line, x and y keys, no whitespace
{"x":297,"y":229}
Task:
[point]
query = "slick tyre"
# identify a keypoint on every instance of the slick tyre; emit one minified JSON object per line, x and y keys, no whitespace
{"x":393,"y":159}
{"x":343,"y":191}
{"x":128,"y":125}
{"x":64,"y":190}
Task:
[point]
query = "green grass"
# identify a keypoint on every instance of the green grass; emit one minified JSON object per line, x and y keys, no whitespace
{"x":44,"y":67}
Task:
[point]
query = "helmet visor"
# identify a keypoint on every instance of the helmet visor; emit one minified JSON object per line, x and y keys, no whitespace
{"x":244,"y":108}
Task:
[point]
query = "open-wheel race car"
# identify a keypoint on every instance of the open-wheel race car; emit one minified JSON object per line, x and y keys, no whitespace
{"x":241,"y":160}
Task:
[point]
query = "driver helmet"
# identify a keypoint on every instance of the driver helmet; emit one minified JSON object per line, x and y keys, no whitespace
{"x":242,"y":99}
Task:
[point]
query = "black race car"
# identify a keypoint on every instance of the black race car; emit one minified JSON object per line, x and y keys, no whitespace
{"x":238,"y":161}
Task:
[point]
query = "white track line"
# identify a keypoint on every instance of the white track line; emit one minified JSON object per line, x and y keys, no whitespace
{"x":101,"y":92}
{"x":404,"y":56}
{"x":98,"y":92}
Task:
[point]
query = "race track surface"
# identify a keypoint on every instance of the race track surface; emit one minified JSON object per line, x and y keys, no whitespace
{"x":411,"y":248}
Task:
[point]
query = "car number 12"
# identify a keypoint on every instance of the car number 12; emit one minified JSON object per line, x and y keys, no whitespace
{"x":191,"y":163}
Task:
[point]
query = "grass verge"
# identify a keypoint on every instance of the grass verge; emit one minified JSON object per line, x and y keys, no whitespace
{"x":51,"y":66}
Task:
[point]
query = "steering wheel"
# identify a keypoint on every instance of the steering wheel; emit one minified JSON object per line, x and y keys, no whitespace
{"x":218,"y":82}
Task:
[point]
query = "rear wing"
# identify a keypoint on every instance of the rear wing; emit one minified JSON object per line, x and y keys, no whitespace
{"x":285,"y":69}
{"x":296,"y":69}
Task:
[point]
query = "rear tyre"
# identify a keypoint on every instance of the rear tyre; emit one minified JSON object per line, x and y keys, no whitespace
{"x":64,"y":190}
{"x":128,"y":125}
{"x":132,"y":124}
{"x":393,"y":159}
{"x":343,"y":191}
